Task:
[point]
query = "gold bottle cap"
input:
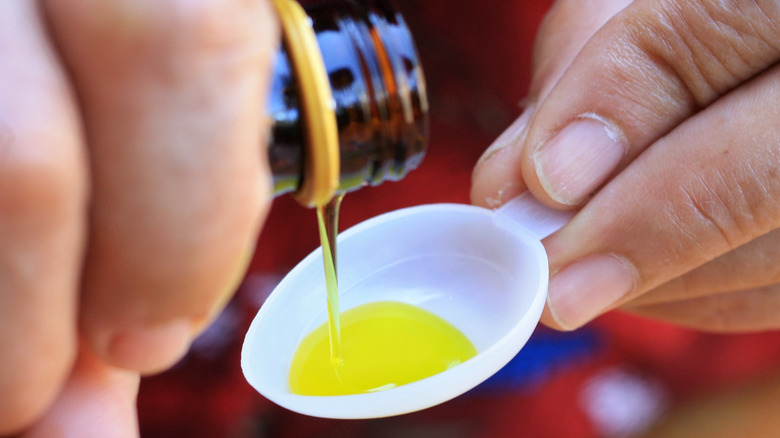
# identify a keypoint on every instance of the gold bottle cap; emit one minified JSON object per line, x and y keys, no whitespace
{"x":321,"y":159}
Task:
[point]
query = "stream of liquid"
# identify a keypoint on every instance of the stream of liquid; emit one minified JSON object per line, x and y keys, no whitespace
{"x":328,"y":224}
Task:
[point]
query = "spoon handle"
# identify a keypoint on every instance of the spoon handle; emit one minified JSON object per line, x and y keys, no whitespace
{"x":531,"y":215}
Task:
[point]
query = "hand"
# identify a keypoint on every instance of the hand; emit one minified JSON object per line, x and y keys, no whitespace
{"x":133,"y":183}
{"x":659,"y":119}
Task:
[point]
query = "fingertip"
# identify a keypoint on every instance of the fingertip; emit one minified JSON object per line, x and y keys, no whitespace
{"x":497,"y":176}
{"x":496,"y":180}
{"x":589,"y":287}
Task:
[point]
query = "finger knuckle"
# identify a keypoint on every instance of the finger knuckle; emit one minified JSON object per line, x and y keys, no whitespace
{"x":38,"y":185}
{"x":152,"y":35}
{"x":181,"y":39}
{"x":711,"y":46}
{"x":727,"y":210}
{"x":212,"y":23}
{"x":194,"y":27}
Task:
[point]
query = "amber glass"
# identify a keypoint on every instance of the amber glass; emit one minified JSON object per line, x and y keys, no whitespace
{"x":378,"y":90}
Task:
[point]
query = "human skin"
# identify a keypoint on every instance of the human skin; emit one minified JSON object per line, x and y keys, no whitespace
{"x":133,"y":184}
{"x":657,"y":120}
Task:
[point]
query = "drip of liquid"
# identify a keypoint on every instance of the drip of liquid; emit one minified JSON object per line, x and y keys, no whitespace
{"x":385,"y":344}
{"x":376,"y":346}
{"x":328,"y":223}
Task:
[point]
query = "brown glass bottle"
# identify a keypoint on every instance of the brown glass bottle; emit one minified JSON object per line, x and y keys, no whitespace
{"x":378,"y":92}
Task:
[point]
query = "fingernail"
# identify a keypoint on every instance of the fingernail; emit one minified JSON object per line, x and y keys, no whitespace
{"x":512,"y":135}
{"x":588,"y":287}
{"x":151,"y":349}
{"x":575,"y":162}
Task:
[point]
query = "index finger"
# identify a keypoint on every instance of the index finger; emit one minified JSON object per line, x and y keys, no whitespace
{"x":649,"y":68}
{"x":173,"y":96}
{"x":566,"y":28}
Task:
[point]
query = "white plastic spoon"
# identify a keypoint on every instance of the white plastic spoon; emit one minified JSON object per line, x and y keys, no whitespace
{"x":483,"y":271}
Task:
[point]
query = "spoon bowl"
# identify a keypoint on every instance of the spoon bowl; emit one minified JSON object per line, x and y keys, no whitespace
{"x":485,"y":272}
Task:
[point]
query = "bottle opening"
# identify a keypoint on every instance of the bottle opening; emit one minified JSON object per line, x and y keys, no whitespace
{"x":378,"y":92}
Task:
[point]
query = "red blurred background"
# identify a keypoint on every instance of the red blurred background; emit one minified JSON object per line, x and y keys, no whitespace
{"x":613,"y":378}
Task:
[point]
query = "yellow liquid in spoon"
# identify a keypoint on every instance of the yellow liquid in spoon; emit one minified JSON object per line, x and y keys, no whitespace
{"x":372,"y":347}
{"x":384,"y":344}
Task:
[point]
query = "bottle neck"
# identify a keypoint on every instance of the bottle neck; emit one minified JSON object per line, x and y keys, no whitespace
{"x":378,"y":94}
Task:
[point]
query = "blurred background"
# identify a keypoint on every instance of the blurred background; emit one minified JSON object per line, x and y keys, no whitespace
{"x":620,"y":376}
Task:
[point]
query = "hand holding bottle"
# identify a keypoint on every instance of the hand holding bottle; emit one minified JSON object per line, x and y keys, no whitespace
{"x":133,"y":182}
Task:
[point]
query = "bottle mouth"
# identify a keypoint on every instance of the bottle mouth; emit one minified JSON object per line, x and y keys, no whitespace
{"x":321,"y":167}
{"x":375,"y":96}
